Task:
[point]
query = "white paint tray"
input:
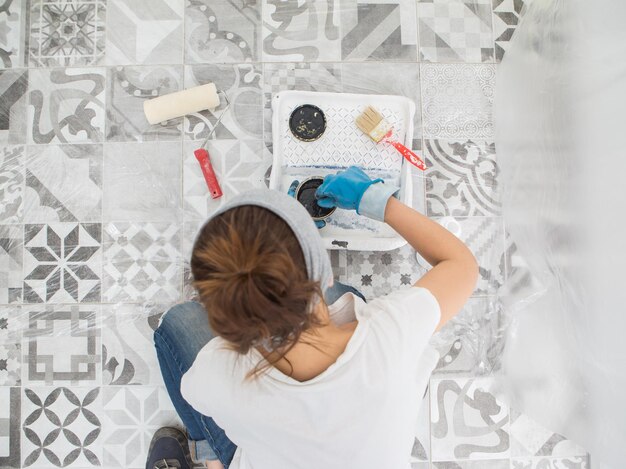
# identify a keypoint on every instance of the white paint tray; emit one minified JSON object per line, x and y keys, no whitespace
{"x":340,"y":146}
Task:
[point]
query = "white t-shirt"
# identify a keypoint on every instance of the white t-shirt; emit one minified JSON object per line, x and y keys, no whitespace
{"x":361,"y":412}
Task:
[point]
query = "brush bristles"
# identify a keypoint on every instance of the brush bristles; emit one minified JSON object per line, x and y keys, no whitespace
{"x":368,"y":119}
{"x":372,"y":124}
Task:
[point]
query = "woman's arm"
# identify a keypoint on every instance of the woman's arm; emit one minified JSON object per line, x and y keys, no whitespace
{"x":455,"y":271}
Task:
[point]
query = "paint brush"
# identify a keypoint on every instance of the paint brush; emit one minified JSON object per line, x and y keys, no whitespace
{"x":373,"y":124}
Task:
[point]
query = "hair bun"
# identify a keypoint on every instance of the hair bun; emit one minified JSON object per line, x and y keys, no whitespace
{"x":251,"y":277}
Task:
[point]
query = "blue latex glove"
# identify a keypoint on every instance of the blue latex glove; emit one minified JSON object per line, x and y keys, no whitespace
{"x":292,"y":192}
{"x":352,"y":189}
{"x":344,"y":189}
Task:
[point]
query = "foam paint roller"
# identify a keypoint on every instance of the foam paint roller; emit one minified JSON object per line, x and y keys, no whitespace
{"x":181,"y":103}
{"x":185,"y":102}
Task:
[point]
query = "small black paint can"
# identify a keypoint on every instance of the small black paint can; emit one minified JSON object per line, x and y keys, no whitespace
{"x":305,"y":194}
{"x":307,"y":122}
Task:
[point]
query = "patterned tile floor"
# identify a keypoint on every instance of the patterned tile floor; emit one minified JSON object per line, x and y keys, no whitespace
{"x":98,"y":209}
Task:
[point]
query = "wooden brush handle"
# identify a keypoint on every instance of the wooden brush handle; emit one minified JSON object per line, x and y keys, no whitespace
{"x":408,"y":155}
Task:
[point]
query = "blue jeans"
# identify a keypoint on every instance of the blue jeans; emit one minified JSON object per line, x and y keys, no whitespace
{"x":183,"y":331}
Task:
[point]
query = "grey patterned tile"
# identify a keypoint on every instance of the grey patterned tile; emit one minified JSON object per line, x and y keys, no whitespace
{"x":296,"y":76}
{"x":484,"y":236}
{"x":144,"y":32}
{"x":153,"y":313}
{"x":377,"y":273}
{"x":10,"y":348}
{"x":301,"y":32}
{"x":457,"y":101}
{"x":455,"y":31}
{"x":419,"y":183}
{"x":64,"y":33}
{"x":63,"y":183}
{"x":13,"y":97}
{"x":471,"y":344}
{"x":339,"y":263}
{"x":130,"y":416}
{"x":467,"y":422}
{"x":520,"y":280}
{"x":10,"y":419}
{"x":190,"y":231}
{"x":269,"y":151}
{"x":374,"y":30}
{"x":222,"y":32}
{"x":61,"y":427}
{"x":572,"y":462}
{"x":127,"y":89}
{"x":462,"y":178}
{"x":128,"y":354}
{"x":402,"y":79}
{"x":242,"y":85}
{"x":61,"y":345}
{"x":189,"y":291}
{"x":142,"y":182}
{"x":142,"y":262}
{"x":11,"y":243}
{"x":13,"y":43}
{"x":421,"y":444}
{"x":506,"y":17}
{"x":240,"y":165}
{"x":11,"y":184}
{"x":300,"y":76}
{"x":66,"y":105}
{"x":487,"y":464}
{"x":531,"y":439}
{"x":62,"y":263}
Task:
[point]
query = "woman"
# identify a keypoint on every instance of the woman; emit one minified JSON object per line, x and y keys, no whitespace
{"x":299,"y":373}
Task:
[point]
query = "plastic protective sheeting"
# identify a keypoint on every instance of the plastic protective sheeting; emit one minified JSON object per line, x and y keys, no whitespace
{"x":560,"y":123}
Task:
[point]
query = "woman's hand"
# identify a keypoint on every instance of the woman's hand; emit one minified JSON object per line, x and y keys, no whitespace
{"x":352,"y":189}
{"x":292,"y":193}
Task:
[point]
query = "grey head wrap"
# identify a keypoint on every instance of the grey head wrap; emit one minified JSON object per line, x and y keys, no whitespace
{"x":295,"y":215}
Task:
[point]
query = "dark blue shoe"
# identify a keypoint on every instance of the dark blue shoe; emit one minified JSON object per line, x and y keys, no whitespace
{"x":169,"y":450}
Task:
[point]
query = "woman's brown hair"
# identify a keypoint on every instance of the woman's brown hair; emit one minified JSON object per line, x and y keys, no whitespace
{"x":251,"y":277}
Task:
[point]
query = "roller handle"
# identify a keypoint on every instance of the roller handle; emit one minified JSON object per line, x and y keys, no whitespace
{"x":209,"y":175}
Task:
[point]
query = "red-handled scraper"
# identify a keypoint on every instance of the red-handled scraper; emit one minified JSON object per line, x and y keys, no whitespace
{"x":203,"y":157}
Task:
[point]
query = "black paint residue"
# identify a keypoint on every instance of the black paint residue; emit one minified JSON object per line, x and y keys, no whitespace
{"x":306,"y":196}
{"x":341,"y":244}
{"x":307,"y":122}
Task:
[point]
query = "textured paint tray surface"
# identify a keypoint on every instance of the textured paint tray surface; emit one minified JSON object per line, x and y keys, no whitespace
{"x":343,"y":145}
